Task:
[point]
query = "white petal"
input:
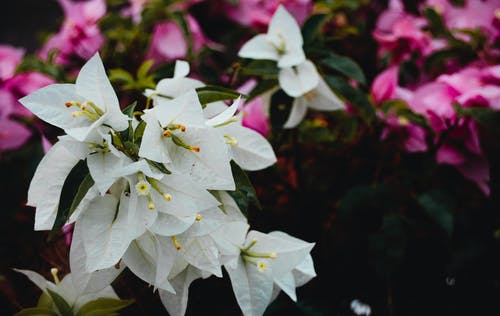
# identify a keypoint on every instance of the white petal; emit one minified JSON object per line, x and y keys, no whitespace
{"x":84,"y":281}
{"x":44,"y":194}
{"x":185,"y":109}
{"x":166,"y":255}
{"x":226,"y":114}
{"x":259,"y":47}
{"x":284,"y":23}
{"x":297,"y":114}
{"x":213,"y":109}
{"x":304,"y":272}
{"x":202,"y":253}
{"x":294,"y":56}
{"x":323,"y":99}
{"x":287,"y":284}
{"x":210,"y":167}
{"x":102,"y":167}
{"x":169,"y":225}
{"x":181,"y":68}
{"x":48,"y":103}
{"x":230,"y":208}
{"x":93,"y":84}
{"x":175,"y":87}
{"x":154,"y":144}
{"x":252,"y":151}
{"x":298,"y":80}
{"x":36,"y":278}
{"x":105,"y":234}
{"x":252,"y":288}
{"x":176,"y":304}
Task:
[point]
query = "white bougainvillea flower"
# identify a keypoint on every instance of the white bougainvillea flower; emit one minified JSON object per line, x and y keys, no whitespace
{"x":88,"y":282}
{"x":319,"y":98}
{"x":176,"y":134}
{"x":249,"y":149}
{"x":283,"y":41}
{"x":82,"y":108}
{"x":172,"y":88}
{"x":265,"y":260}
{"x":67,"y":290}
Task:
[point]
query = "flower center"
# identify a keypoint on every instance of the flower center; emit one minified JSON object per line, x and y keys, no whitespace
{"x":87,"y":109}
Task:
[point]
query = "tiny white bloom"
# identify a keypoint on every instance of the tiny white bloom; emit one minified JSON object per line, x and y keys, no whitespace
{"x":283,"y":41}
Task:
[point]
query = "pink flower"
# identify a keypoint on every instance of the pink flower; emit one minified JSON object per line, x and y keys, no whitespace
{"x":10,"y":57}
{"x":474,"y":14}
{"x":79,"y":36}
{"x":254,"y":116}
{"x":258,"y":13}
{"x":413,"y":136}
{"x":168,"y":42}
{"x":12,"y":134}
{"x":134,"y":10}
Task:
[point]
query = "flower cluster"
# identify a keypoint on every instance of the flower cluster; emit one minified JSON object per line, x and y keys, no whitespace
{"x":440,"y":98}
{"x":152,"y":193}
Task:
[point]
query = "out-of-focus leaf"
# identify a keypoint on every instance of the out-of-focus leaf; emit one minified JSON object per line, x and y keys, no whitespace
{"x":69,"y":193}
{"x":388,"y":246}
{"x":121,"y":75}
{"x":44,"y":301}
{"x":436,"y":24}
{"x":265,"y":68}
{"x":312,"y":26}
{"x":103,"y":306}
{"x":408,"y":73}
{"x":245,"y":192}
{"x":352,"y":95}
{"x":486,"y":117}
{"x":401,"y":109}
{"x":439,"y":207}
{"x":62,"y":306}
{"x":144,"y":69}
{"x":209,"y":94}
{"x":345,"y":66}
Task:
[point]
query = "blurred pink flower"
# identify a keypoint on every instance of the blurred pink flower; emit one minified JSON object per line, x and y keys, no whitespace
{"x":168,"y":42}
{"x":413,"y":136}
{"x":12,"y":134}
{"x":10,"y":57}
{"x":134,"y":10}
{"x":258,"y":13}
{"x":254,"y":116}
{"x":474,"y":14}
{"x":13,"y":86}
{"x":79,"y":36}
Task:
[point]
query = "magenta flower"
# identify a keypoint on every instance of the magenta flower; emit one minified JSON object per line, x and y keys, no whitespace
{"x":79,"y":36}
{"x":134,"y":10}
{"x":168,"y":42}
{"x":258,"y":13}
{"x":13,"y":86}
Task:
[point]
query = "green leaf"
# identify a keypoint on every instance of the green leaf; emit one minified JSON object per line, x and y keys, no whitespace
{"x":436,"y":24}
{"x":352,"y":95}
{"x":44,"y":301}
{"x":209,"y":94}
{"x":139,"y":131}
{"x":345,"y":66}
{"x":312,"y":26}
{"x":144,"y":69}
{"x":439,"y":207}
{"x":129,"y":110}
{"x":83,"y":188}
{"x":261,"y":88}
{"x":69,"y":193}
{"x":265,"y":68}
{"x":36,"y":311}
{"x":158,"y":166}
{"x":61,"y":304}
{"x":121,"y":75}
{"x":244,"y":194}
{"x":103,"y":306}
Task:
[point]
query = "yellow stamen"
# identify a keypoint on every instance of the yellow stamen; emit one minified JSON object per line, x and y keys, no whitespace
{"x":198,"y":217}
{"x":194,"y":148}
{"x":54,"y":273}
{"x":177,"y":245}
{"x":166,"y":133}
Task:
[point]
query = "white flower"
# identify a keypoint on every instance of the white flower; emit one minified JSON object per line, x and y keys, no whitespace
{"x":319,"y":98}
{"x":283,"y":41}
{"x":249,"y":149}
{"x":176,"y":134}
{"x":267,"y":260}
{"x":67,"y":290}
{"x":178,"y":85}
{"x":80,"y":109}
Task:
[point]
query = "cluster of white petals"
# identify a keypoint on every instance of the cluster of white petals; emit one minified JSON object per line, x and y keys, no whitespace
{"x":298,"y":77}
{"x":157,"y":203}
